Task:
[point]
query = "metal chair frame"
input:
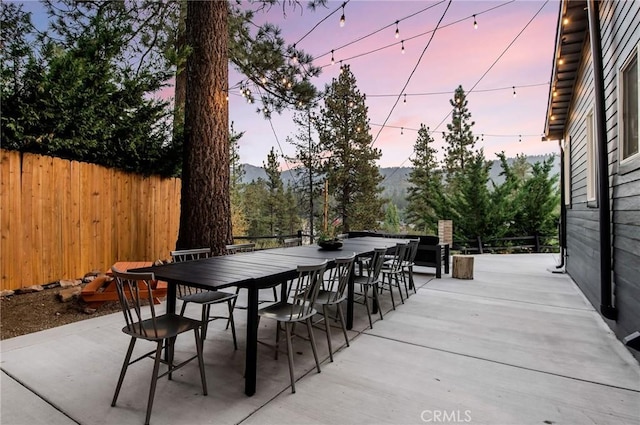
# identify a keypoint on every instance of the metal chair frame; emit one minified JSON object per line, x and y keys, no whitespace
{"x":333,"y":293}
{"x":135,"y":295}
{"x":372,"y":280}
{"x":392,"y":269}
{"x":303,"y":292}
{"x":206,"y":298}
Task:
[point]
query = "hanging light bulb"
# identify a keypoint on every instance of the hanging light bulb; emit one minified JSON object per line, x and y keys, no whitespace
{"x":560,"y":61}
{"x":520,"y":138}
{"x":402,"y":46}
{"x":284,"y":80}
{"x":294,"y":58}
{"x":332,"y":60}
{"x":401,"y":131}
{"x":475,"y":23}
{"x":397,"y":30}
{"x":341,"y":67}
{"x":263,"y":79}
{"x":289,"y":85}
{"x":514,"y":91}
{"x":405,"y":98}
{"x":342,"y":19}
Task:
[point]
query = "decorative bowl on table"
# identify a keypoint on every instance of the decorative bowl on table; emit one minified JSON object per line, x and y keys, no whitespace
{"x":330,"y":244}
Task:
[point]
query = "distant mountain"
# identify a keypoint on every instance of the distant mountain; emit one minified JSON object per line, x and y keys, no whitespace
{"x":395,"y":183}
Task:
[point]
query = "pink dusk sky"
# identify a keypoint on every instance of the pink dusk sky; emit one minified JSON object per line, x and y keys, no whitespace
{"x":457,"y":55}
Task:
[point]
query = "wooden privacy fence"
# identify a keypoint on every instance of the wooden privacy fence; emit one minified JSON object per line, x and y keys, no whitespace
{"x":60,"y":219}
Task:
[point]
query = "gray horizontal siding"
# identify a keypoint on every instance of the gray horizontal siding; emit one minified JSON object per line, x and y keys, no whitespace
{"x":620,"y":32}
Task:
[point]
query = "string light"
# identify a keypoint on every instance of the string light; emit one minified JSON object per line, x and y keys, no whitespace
{"x":342,"y":19}
{"x":519,"y":138}
{"x":565,"y":21}
{"x":294,"y":58}
{"x":263,"y":79}
{"x":514,"y":91}
{"x":475,"y":23}
{"x":402,"y":46}
{"x":341,"y":67}
{"x":397,"y":30}
{"x":560,"y":61}
{"x":405,"y":98}
{"x":332,"y":60}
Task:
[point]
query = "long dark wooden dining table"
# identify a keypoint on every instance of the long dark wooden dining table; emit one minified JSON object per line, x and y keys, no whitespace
{"x":258,"y":270}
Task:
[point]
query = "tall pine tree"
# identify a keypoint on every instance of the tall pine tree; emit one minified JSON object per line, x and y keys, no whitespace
{"x":425,"y":193}
{"x":459,"y":139}
{"x":353,"y":176}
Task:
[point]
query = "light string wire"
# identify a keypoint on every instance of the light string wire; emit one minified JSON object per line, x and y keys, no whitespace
{"x":412,"y":72}
{"x":483,"y":75}
{"x":409,"y":38}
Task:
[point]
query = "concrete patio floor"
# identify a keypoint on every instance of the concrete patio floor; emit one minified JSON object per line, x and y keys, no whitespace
{"x":516,"y":345}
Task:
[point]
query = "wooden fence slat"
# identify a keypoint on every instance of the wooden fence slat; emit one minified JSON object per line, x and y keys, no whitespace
{"x":60,"y":219}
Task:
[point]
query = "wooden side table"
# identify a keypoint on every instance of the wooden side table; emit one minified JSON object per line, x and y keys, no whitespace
{"x":462,"y":267}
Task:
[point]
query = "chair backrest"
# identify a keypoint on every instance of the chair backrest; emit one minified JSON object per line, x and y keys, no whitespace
{"x":240,"y":247}
{"x":304,"y":289}
{"x":375,"y":265}
{"x":135,"y":293}
{"x":399,"y":255}
{"x":336,"y":284}
{"x":292,"y":242}
{"x":190,"y":254}
{"x":412,"y":251}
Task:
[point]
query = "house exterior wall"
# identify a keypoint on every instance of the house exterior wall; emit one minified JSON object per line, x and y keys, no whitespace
{"x":620,"y":33}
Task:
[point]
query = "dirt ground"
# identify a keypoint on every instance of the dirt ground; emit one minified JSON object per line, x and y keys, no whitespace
{"x":26,"y":313}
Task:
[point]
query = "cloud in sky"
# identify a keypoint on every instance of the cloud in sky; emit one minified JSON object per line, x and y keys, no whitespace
{"x":457,"y":54}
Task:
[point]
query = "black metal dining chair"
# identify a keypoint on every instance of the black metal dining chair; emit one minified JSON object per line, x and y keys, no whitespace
{"x":135,"y":294}
{"x":393,"y":273}
{"x":298,"y":307}
{"x":333,"y":293}
{"x":206,"y":298}
{"x":369,"y":280}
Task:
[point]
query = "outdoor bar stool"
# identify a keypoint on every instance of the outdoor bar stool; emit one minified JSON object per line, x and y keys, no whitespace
{"x":135,"y":294}
{"x":333,"y":292}
{"x":302,"y":293}
{"x":205,"y":298}
{"x":371,"y":281}
{"x":392,"y":272}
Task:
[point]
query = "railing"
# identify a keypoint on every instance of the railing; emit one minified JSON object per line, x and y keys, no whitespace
{"x":270,"y":241}
{"x":523,"y":244}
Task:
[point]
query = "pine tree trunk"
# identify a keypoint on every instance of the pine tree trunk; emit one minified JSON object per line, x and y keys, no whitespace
{"x":205,"y":219}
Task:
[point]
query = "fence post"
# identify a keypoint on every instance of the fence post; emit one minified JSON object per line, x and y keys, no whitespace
{"x":537,"y":242}
{"x":480,"y":245}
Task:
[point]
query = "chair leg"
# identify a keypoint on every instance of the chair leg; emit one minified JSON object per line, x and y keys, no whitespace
{"x":154,"y":381}
{"x":344,"y":328}
{"x":313,"y":343}
{"x":171,"y":351}
{"x":206,"y":309}
{"x":233,"y":324}
{"x":290,"y":356}
{"x":377,"y":300}
{"x":123,"y":372}
{"x":397,"y":279}
{"x":366,"y":304}
{"x":393,"y":302}
{"x":325,"y":312}
{"x":203,"y":378}
{"x":275,"y":294}
{"x":278,"y":338}
{"x":411,"y":281}
{"x":233,"y":305}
